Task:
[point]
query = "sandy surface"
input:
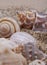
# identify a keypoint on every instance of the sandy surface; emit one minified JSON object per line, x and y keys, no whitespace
{"x":37,"y":4}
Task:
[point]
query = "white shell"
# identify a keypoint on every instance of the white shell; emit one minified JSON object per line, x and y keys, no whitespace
{"x":37,"y":62}
{"x":8,"y":26}
{"x":22,"y":38}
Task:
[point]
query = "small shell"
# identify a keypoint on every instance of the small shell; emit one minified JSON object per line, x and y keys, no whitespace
{"x":37,"y":62}
{"x":8,"y":26}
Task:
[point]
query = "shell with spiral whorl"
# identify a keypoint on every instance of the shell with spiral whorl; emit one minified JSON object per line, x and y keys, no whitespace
{"x":8,"y":26}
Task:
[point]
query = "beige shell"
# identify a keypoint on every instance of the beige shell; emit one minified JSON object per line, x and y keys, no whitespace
{"x":7,"y":43}
{"x":37,"y":62}
{"x":7,"y":56}
{"x":8,"y":26}
{"x":27,"y":45}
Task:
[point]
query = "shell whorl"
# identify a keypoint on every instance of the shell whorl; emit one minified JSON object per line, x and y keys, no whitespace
{"x":8,"y":26}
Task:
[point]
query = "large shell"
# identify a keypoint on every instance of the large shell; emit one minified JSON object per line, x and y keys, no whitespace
{"x":27,"y":45}
{"x":7,"y":56}
{"x":8,"y":26}
{"x":23,"y":38}
{"x":37,"y":62}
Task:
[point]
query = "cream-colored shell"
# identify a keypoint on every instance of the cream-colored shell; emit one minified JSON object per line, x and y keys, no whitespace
{"x":5,"y":43}
{"x":7,"y":56}
{"x":8,"y":26}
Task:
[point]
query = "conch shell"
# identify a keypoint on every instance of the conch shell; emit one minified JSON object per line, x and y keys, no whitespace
{"x":8,"y":26}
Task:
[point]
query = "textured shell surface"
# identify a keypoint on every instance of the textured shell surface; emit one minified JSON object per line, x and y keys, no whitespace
{"x":37,"y":62}
{"x":30,"y":51}
{"x":7,"y":57}
{"x":8,"y":26}
{"x":26,"y":18}
{"x":5,"y":43}
{"x":22,"y":38}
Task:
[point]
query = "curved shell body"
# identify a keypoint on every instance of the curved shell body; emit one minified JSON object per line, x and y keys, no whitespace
{"x":7,"y":44}
{"x":8,"y":26}
{"x":23,"y":38}
{"x":27,"y":45}
{"x":41,"y":22}
{"x":7,"y":56}
{"x":26,"y":18}
{"x":37,"y":62}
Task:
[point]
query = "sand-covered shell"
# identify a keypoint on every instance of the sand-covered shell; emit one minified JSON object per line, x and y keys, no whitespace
{"x":23,"y":38}
{"x":26,"y":18}
{"x":8,"y":26}
{"x":37,"y":62}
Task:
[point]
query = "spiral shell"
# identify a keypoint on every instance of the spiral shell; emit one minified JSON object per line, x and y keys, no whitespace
{"x":26,"y":18}
{"x":8,"y":26}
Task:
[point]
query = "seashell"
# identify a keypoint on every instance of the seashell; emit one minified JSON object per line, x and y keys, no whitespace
{"x":7,"y":44}
{"x":26,"y":19}
{"x":27,"y":45}
{"x":40,"y":23}
{"x":7,"y":56}
{"x":8,"y":26}
{"x":31,"y":52}
{"x":23,"y":38}
{"x":37,"y":62}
